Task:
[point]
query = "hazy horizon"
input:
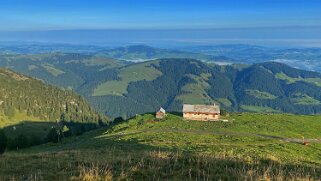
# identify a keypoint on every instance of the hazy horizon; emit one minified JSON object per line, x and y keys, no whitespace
{"x":264,"y":36}
{"x":285,"y":23}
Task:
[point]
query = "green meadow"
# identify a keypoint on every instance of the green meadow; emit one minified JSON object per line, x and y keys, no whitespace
{"x":248,"y":146}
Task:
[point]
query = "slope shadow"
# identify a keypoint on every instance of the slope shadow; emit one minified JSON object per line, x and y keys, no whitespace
{"x":31,"y":133}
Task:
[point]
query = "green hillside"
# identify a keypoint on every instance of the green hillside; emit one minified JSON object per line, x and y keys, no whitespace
{"x":171,"y":82}
{"x":29,"y":109}
{"x":143,"y":71}
{"x":68,"y":70}
{"x":247,"y":147}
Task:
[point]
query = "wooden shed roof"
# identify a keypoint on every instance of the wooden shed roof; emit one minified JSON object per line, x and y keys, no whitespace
{"x":201,"y":108}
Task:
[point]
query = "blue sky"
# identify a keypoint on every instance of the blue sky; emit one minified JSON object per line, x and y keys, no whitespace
{"x":289,"y":19}
{"x":155,"y":14}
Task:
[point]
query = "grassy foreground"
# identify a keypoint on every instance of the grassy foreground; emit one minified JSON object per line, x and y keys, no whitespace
{"x":248,"y":147}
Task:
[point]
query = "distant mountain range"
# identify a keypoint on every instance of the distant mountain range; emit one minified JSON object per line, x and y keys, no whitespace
{"x":139,"y":53}
{"x":303,"y":58}
{"x":122,"y":88}
{"x":38,"y":48}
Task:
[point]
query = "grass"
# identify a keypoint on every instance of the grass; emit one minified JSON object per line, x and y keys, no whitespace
{"x":134,"y":73}
{"x":224,"y":101}
{"x":26,"y":125}
{"x":259,"y":109}
{"x":176,"y":149}
{"x":16,"y":119}
{"x":304,"y":99}
{"x":291,"y":80}
{"x":30,"y":129}
{"x":106,"y":62}
{"x":32,"y":67}
{"x":259,"y":94}
{"x":195,"y":93}
{"x":52,"y":70}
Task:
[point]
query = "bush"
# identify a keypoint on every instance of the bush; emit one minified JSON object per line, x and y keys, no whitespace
{"x":66,"y":131}
{"x":3,"y":141}
{"x":223,"y":112}
{"x":53,"y":136}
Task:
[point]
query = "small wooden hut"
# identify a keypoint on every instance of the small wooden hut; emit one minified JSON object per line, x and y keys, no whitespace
{"x":161,"y":113}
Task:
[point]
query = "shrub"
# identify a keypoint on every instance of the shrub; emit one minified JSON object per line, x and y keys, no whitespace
{"x":53,"y":136}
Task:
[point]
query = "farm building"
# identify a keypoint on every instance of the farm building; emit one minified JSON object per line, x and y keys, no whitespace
{"x":201,"y":112}
{"x":161,"y":113}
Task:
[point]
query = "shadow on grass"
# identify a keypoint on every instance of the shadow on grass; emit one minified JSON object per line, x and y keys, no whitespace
{"x":30,"y":133}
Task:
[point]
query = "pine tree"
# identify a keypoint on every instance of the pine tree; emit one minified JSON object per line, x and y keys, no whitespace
{"x":53,"y":136}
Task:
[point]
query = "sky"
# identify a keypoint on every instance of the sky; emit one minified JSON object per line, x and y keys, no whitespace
{"x":201,"y":21}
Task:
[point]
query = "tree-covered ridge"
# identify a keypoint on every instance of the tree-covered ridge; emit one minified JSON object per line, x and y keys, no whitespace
{"x":138,"y":53}
{"x":68,"y":70}
{"x":119,"y":88}
{"x":255,"y":88}
{"x":24,"y":95}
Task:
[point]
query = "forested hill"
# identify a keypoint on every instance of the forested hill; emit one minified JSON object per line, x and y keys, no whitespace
{"x":265,"y":87}
{"x":25,"y":98}
{"x":121,"y":88}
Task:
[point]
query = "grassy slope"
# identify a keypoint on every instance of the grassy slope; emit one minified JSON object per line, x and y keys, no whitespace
{"x":259,"y":109}
{"x":291,"y":80}
{"x":304,"y":99}
{"x":195,"y":93}
{"x":259,"y":94}
{"x":174,"y":148}
{"x":21,"y":123}
{"x":51,"y":69}
{"x":17,"y":118}
{"x":142,"y":71}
